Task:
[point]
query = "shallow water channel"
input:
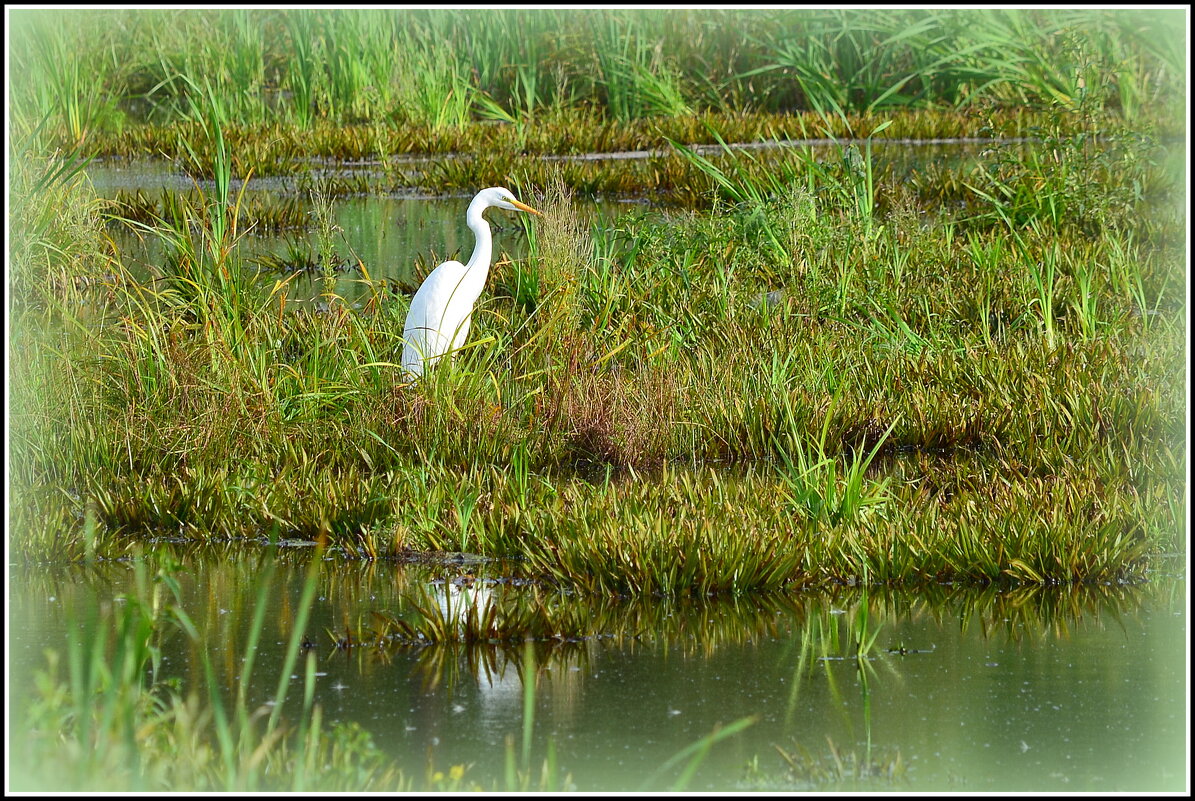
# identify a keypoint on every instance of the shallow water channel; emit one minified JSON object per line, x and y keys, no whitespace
{"x":393,"y":236}
{"x":964,"y":689}
{"x":397,"y":236}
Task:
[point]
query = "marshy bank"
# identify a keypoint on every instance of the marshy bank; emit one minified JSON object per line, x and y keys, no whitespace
{"x":795,"y":407}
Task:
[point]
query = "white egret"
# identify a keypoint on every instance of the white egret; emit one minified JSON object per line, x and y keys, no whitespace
{"x":442,"y":309}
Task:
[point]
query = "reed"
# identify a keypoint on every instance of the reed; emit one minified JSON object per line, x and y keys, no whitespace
{"x":366,"y":65}
{"x":71,"y":69}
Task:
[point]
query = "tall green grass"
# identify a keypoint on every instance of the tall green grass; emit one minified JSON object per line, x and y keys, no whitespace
{"x":435,"y":67}
{"x":73,"y":70}
{"x":835,"y":373}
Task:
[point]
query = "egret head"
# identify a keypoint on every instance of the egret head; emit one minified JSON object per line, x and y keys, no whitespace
{"x":503,"y":199}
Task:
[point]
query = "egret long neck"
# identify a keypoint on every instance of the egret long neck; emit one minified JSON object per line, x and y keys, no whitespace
{"x":479,"y":263}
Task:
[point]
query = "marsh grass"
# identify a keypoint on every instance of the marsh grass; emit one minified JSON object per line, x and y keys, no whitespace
{"x":365,"y":64}
{"x":73,"y":67}
{"x":942,"y":414}
{"x":900,"y":412}
{"x":840,"y":769}
{"x":594,"y":81}
{"x":1006,"y":180}
{"x":801,"y":369}
{"x":279,"y":148}
{"x":259,"y":214}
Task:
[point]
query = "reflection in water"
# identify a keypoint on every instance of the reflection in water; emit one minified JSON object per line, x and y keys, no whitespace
{"x":396,"y":238}
{"x":949,"y":688}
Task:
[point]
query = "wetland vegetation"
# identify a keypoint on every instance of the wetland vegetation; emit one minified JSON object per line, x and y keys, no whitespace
{"x":797,"y":362}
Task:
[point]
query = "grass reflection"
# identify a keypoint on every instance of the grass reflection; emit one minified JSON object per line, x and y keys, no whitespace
{"x":462,"y":626}
{"x":391,"y":604}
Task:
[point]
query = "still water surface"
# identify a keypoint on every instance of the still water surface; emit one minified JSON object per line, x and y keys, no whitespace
{"x":399,"y":236}
{"x":395,"y":237}
{"x":1058,"y":689}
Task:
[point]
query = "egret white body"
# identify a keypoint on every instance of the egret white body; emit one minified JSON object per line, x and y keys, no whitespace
{"x":442,"y":309}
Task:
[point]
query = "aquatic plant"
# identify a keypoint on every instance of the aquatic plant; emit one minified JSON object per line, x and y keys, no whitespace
{"x":797,"y":366}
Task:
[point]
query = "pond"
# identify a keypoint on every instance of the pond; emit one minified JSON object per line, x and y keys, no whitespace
{"x":943,"y":688}
{"x":949,"y":688}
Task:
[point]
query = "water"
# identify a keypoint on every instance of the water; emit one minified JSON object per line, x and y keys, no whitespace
{"x":395,"y":237}
{"x":1059,"y":689}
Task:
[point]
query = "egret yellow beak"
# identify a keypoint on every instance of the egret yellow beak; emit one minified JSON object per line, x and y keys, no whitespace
{"x":524,"y":207}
